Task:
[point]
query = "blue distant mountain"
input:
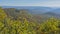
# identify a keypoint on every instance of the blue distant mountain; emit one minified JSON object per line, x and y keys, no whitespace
{"x":57,"y":11}
{"x":36,"y":9}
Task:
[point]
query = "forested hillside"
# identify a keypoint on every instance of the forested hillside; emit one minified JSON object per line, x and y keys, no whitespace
{"x":15,"y":21}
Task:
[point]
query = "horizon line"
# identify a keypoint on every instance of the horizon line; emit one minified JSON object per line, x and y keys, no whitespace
{"x":37,"y":6}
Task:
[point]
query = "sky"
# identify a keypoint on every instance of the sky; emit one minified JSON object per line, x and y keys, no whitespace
{"x":48,"y":3}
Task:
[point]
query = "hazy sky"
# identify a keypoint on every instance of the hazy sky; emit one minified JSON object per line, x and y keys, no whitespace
{"x":49,"y":3}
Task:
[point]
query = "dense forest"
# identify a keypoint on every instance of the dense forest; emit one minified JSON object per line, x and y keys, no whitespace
{"x":15,"y":21}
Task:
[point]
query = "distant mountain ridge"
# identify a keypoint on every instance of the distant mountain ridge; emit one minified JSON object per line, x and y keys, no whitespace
{"x":36,"y":9}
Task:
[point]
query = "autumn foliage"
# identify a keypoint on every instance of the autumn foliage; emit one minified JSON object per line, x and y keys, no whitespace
{"x":22,"y":25}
